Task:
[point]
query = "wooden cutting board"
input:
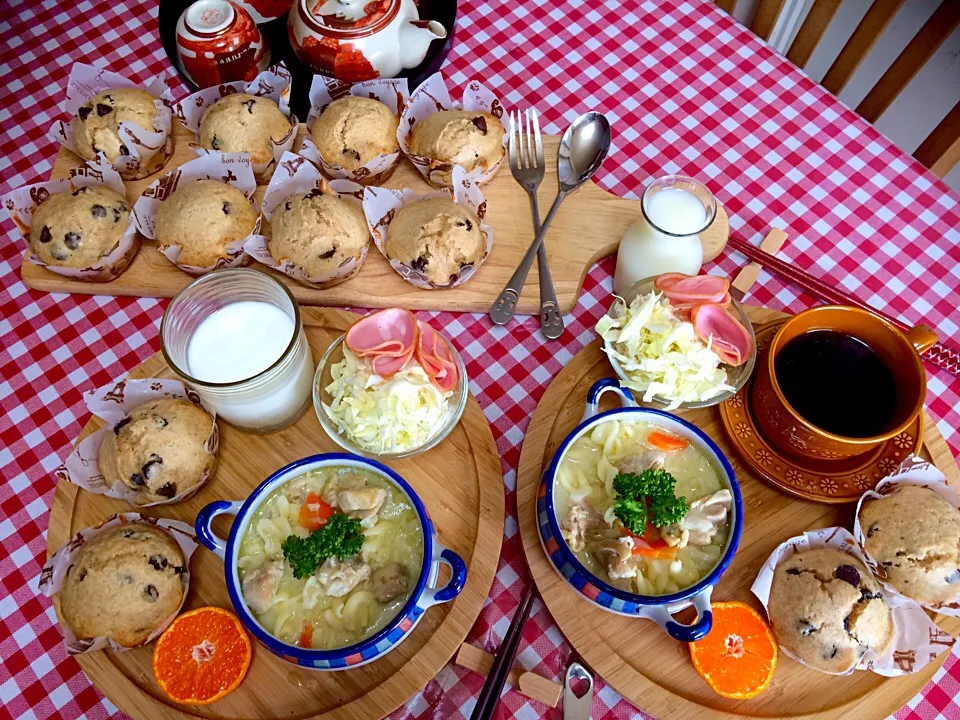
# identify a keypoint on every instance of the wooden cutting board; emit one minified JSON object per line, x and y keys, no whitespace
{"x":635,"y":656}
{"x":588,"y":226}
{"x":460,"y":482}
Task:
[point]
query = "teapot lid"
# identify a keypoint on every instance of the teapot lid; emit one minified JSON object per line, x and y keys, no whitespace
{"x":350,"y":17}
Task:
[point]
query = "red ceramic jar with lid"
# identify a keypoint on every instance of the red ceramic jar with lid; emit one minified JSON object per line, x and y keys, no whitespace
{"x":218,"y":42}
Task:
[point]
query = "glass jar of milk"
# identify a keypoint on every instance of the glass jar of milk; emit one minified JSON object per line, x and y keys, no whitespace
{"x":235,"y":336}
{"x":675,"y":210}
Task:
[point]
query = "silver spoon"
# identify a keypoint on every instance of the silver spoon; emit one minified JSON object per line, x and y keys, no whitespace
{"x":583,"y":148}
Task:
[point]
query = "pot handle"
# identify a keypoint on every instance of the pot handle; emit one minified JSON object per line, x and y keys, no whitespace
{"x":678,"y":631}
{"x":922,"y":337}
{"x":204,"y":525}
{"x":458,"y":577}
{"x":598,"y":389}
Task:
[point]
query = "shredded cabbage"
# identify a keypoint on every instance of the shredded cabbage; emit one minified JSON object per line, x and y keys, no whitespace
{"x":661,"y":352}
{"x":385,"y":415}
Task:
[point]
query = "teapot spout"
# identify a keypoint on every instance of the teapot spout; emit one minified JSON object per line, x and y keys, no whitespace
{"x":415,"y":39}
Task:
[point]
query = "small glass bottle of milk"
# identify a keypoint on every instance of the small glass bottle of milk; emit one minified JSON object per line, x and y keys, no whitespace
{"x":235,"y":336}
{"x":675,"y":210}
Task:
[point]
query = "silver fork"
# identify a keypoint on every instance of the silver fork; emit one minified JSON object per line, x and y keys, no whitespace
{"x":527,"y":165}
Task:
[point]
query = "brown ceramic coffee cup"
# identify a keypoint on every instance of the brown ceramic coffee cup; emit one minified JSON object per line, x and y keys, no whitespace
{"x":787,"y":430}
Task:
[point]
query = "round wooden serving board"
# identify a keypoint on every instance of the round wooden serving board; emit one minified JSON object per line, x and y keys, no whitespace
{"x":461,"y":483}
{"x":638,"y":659}
{"x":588,"y":226}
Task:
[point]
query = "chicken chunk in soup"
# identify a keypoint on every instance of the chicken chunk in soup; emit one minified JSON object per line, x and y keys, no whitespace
{"x":641,"y":507}
{"x":330,"y":558}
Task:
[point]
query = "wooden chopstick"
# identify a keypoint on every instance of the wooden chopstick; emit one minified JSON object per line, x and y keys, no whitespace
{"x":943,"y":356}
{"x":492,"y":687}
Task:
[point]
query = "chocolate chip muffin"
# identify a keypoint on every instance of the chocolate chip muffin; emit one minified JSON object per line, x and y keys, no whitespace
{"x":244,"y":123}
{"x":436,"y":237}
{"x":96,"y":128}
{"x":75,"y":230}
{"x":826,"y":608}
{"x":914,"y":535}
{"x":159,"y":450}
{"x":469,"y":139}
{"x":203,"y":217}
{"x":318,"y":231}
{"x":124,"y":584}
{"x":352,"y":131}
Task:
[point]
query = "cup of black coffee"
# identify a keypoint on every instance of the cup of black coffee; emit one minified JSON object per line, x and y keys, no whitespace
{"x":838,"y":381}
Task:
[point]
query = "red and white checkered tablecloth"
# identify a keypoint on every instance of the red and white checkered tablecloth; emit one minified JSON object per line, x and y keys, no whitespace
{"x":687,"y":91}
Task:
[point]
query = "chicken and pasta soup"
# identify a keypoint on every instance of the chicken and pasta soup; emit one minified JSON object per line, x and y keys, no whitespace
{"x":330,"y":557}
{"x":641,"y":507}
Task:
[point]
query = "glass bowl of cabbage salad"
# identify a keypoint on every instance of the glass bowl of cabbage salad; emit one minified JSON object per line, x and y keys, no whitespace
{"x":384,"y":417}
{"x":657,"y":354}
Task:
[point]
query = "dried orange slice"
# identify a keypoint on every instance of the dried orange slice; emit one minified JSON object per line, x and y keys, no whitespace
{"x":202,"y":657}
{"x":737,"y":658}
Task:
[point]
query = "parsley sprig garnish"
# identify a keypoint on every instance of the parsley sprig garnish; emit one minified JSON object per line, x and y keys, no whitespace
{"x":647,"y":496}
{"x":340,"y":537}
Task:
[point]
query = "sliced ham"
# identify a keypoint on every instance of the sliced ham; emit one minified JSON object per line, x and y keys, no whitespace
{"x":434,"y":355}
{"x":446,"y":380}
{"x":731,"y":341}
{"x":387,"y":338}
{"x":662,"y":282}
{"x":388,"y":332}
{"x":386,"y":366}
{"x":426,"y":352}
{"x":687,"y":307}
{"x":697,"y":289}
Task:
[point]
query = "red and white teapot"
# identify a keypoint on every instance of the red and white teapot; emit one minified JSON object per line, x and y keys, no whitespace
{"x":355,"y":40}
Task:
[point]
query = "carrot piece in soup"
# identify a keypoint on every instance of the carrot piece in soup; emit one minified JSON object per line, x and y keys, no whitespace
{"x":666,"y":441}
{"x":314,"y":513}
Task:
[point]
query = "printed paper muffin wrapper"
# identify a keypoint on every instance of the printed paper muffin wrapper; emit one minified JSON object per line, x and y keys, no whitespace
{"x":296,"y":176}
{"x":391,"y":92}
{"x":231,"y":168}
{"x":273,"y":83}
{"x":84,"y":82}
{"x":917,"y":640}
{"x":433,"y":96}
{"x":381,"y":204}
{"x":912,"y":471}
{"x":21,"y":203}
{"x":55,"y":571}
{"x":112,"y":404}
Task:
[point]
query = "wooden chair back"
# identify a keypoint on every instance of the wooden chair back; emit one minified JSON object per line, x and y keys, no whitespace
{"x":940,"y":151}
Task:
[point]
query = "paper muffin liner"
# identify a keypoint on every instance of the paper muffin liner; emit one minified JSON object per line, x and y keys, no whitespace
{"x":20,"y":204}
{"x":391,"y":92}
{"x":912,"y":471}
{"x":231,"y":168}
{"x":433,"y":96}
{"x":296,"y":176}
{"x":917,"y":640}
{"x":273,"y":83}
{"x":112,"y":404}
{"x":381,"y":204}
{"x":55,"y":571}
{"x":84,"y":82}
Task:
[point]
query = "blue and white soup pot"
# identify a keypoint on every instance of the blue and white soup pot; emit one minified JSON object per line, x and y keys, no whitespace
{"x":659,"y":608}
{"x":424,"y":595}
